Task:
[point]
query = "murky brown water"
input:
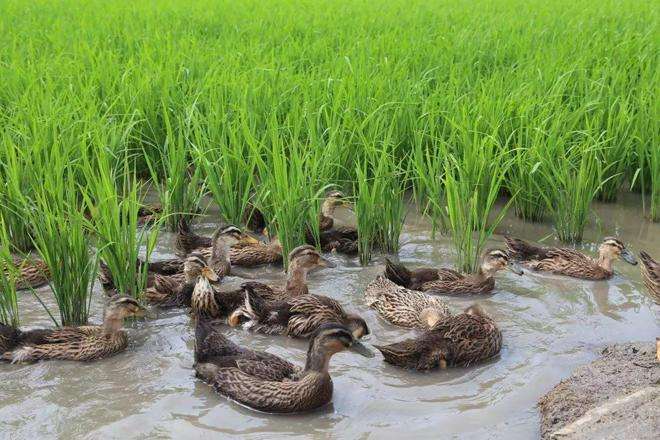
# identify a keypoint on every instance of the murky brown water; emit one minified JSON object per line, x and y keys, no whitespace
{"x":550,"y":325}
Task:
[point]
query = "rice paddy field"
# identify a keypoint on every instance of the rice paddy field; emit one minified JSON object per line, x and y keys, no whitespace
{"x":445,"y":123}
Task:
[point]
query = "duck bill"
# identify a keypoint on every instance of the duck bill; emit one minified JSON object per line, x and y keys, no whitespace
{"x":323,"y":262}
{"x":209,"y":274}
{"x":515,"y":268}
{"x":361,"y":349}
{"x":628,"y":257}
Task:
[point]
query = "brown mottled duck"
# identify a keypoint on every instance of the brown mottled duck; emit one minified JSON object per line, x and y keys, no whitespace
{"x":404,"y":307}
{"x":569,"y":262}
{"x":449,"y":281}
{"x":84,"y":343}
{"x":651,"y":275}
{"x":32,"y":272}
{"x":211,"y":300}
{"x":461,"y":340}
{"x":296,"y":317}
{"x":268,"y":383}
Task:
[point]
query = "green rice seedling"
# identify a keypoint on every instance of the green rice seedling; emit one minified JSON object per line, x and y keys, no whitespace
{"x":113,"y":202}
{"x":571,"y":176}
{"x":181,"y":186}
{"x":426,"y":170}
{"x":8,"y":275}
{"x":60,"y":237}
{"x":228,"y":166}
{"x":380,"y":187}
{"x":290,"y":185}
{"x":472,"y":184}
{"x":14,"y":190}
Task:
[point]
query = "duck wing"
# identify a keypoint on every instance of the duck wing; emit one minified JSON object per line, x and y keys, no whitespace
{"x":309,"y":312}
{"x":423,"y":353}
{"x":311,"y":391}
{"x":651,"y":274}
{"x":469,"y":338}
{"x":399,"y":305}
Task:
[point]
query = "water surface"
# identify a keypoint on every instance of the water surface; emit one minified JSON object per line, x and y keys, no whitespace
{"x":550,"y":325}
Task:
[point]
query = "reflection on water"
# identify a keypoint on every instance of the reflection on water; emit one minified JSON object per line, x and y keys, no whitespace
{"x":550,"y":325}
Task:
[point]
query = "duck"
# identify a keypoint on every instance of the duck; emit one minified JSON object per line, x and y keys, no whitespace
{"x":248,"y":252}
{"x":296,"y":317}
{"x":448,"y":281}
{"x":569,"y":262}
{"x":32,"y":272}
{"x":268,"y":383}
{"x":187,"y":241}
{"x":404,"y":307}
{"x":342,"y":239}
{"x":459,"y":340}
{"x":83,"y":343}
{"x":169,"y":291}
{"x":332,"y":201}
{"x":159,"y":285}
{"x":209,"y":299}
{"x":651,"y":275}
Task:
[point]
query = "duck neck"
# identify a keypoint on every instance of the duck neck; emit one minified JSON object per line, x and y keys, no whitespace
{"x":605,"y":262}
{"x":328,"y":208}
{"x":112,"y":323}
{"x":318,"y":359}
{"x":482,"y":274}
{"x":221,"y":252}
{"x":296,"y":281}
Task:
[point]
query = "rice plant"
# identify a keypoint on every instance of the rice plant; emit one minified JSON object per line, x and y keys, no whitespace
{"x":14,"y":190}
{"x":113,"y":201}
{"x":179,"y":181}
{"x":227,"y":163}
{"x":8,"y":275}
{"x":571,"y":178}
{"x":380,"y":195}
{"x":472,"y":184}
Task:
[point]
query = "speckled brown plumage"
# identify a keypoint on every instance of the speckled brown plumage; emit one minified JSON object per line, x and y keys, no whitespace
{"x":84,"y":343}
{"x":460,"y":340}
{"x":451,"y":282}
{"x":32,"y":272}
{"x":651,"y":275}
{"x":403,"y":307}
{"x":297,"y":316}
{"x":265,"y":382}
{"x":568,"y":262}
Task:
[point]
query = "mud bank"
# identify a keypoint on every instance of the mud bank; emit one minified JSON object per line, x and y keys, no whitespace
{"x":616,"y":396}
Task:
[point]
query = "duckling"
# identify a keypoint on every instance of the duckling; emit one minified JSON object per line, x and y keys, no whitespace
{"x":84,"y":343}
{"x":187,"y":241}
{"x":404,"y":307}
{"x":449,"y":281}
{"x":569,"y":262}
{"x":265,"y":382}
{"x":32,"y":272}
{"x":651,"y":275}
{"x":296,"y":317}
{"x":460,"y":340}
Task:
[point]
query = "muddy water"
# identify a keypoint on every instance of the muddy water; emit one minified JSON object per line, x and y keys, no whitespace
{"x":550,"y":325}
